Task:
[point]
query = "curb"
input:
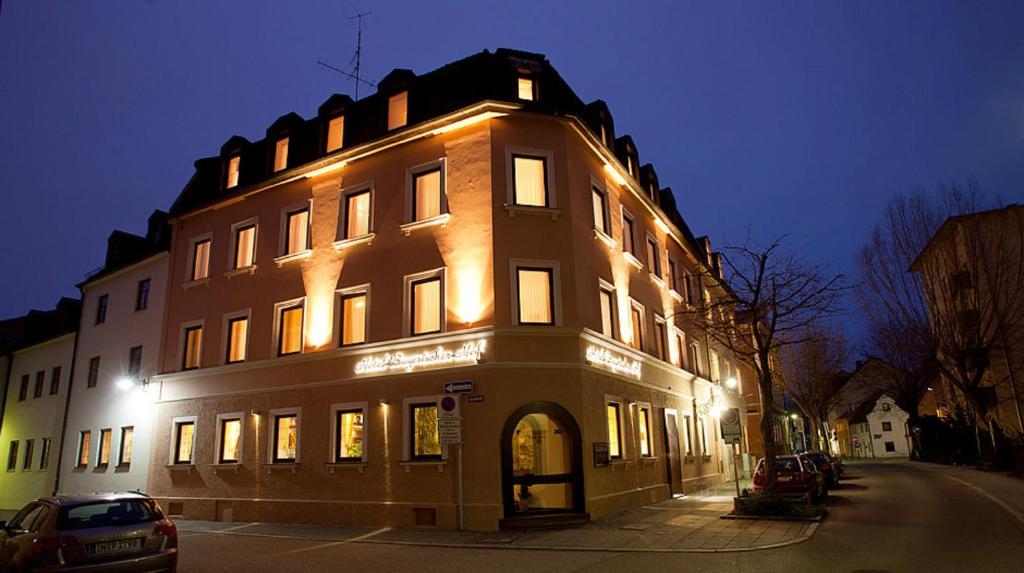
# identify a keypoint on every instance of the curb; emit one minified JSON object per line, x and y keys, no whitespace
{"x":815,"y":519}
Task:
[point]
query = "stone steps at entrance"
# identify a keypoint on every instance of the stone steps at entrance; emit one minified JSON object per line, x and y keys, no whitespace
{"x":553,"y":520}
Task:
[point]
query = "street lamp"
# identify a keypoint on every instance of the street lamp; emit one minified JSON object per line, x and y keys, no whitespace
{"x":731,"y":383}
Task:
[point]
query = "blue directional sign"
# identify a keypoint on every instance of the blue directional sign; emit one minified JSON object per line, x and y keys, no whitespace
{"x":463,"y":387}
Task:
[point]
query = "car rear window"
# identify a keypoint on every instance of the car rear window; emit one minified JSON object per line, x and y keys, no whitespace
{"x":106,"y":514}
{"x":787,"y":465}
{"x":818,"y":458}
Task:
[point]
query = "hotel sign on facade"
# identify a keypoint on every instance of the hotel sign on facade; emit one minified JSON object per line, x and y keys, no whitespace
{"x":604,"y":358}
{"x":438,"y":357}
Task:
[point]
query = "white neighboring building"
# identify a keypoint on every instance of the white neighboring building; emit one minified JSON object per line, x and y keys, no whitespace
{"x":108,"y":428}
{"x":36,"y":397}
{"x":887,"y":423}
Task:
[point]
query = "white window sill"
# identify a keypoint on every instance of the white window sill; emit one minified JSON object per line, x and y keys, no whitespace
{"x":299,"y":256}
{"x":678,"y":297}
{"x":438,"y":221}
{"x":281,"y":466}
{"x":439,"y":464}
{"x":187,"y":468}
{"x":657,"y":280}
{"x":649,"y":460}
{"x":689,"y":459}
{"x":623,"y":463}
{"x":366,"y":239}
{"x":226,"y":467}
{"x":514,"y":210}
{"x":196,"y":283}
{"x":335,"y":466}
{"x":605,"y":238}
{"x":249,"y":270}
{"x":631,"y":259}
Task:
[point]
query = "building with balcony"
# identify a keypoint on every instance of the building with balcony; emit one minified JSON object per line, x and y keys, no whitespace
{"x":476,"y":228}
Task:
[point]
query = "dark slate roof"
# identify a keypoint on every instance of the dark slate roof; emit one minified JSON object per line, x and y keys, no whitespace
{"x":482,"y":76}
{"x":40,"y":325}
{"x":126,"y":249}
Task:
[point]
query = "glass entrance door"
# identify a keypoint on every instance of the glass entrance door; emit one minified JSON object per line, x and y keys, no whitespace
{"x":542,"y":472}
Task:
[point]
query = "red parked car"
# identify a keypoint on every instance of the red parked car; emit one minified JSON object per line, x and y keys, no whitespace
{"x":797,"y":475}
{"x":827,"y":466}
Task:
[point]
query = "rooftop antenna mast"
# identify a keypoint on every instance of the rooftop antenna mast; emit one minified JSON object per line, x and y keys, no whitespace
{"x":357,"y":58}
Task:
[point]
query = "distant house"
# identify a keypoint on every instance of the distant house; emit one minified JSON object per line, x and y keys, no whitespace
{"x":877,"y":428}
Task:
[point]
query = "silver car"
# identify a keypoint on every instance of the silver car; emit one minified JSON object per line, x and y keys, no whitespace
{"x":87,"y":533}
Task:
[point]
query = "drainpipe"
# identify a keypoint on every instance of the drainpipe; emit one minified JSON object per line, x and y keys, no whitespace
{"x":67,"y":401}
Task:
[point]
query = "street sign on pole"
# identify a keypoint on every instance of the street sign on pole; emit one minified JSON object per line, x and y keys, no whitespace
{"x":732,"y":428}
{"x":449,"y":431}
{"x":448,"y":406}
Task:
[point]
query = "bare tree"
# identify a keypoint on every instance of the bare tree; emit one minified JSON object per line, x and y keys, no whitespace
{"x":961,"y":304}
{"x":766,"y":298}
{"x":814,"y":374}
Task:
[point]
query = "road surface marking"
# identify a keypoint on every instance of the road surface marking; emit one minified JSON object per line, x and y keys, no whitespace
{"x":1016,"y":514}
{"x":333,"y":543}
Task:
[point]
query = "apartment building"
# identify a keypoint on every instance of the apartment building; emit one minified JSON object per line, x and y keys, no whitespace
{"x":41,"y":345}
{"x":478,"y":228}
{"x":108,"y":433}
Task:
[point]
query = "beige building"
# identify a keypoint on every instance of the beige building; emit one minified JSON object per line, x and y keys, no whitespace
{"x":478,"y":229}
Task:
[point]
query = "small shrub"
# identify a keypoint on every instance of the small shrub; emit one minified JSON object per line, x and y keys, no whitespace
{"x":759,"y":504}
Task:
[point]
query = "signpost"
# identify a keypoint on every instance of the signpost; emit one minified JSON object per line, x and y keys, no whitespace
{"x":732,"y":433}
{"x":449,"y":429}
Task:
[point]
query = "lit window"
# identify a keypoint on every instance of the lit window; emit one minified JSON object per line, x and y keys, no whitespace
{"x":653,"y":260}
{"x":142,"y":295}
{"x":600,"y":210}
{"x":286,"y":438}
{"x":660,"y":339}
{"x":526,"y":88}
{"x":607,"y":313}
{"x":536,"y":305}
{"x":193,"y":347}
{"x":636,"y":318}
{"x":426,"y":197}
{"x":349,"y":438}
{"x":353,"y":318}
{"x":281,"y":154}
{"x":687,"y":435}
{"x":134,"y":362}
{"x":232,"y":179}
{"x":614,"y":429}
{"x":104,"y":455}
{"x":397,"y":110}
{"x":200,"y":259}
{"x":673,"y":275}
{"x":26,"y":464}
{"x":238,"y":337}
{"x":296,"y":237}
{"x":44,"y":454}
{"x":530,"y":181}
{"x":230,"y":434}
{"x":426,"y":306}
{"x":628,"y":232}
{"x":289,"y":334}
{"x":357,"y":214}
{"x":424,"y":440}
{"x":94,"y":372}
{"x":335,"y":133}
{"x":84,"y":443}
{"x":124,"y":454}
{"x":644,"y":418}
{"x":101,"y":309}
{"x":245,"y":246}
{"x":184,"y":436}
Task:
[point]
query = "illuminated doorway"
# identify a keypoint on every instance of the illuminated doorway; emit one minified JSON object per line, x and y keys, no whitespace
{"x":541,"y":461}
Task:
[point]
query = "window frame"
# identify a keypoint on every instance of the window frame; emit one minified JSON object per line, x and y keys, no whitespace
{"x":688,"y":443}
{"x":121,"y":449}
{"x":352,"y":292}
{"x":193,"y":245}
{"x":278,"y":165}
{"x":673,"y":270}
{"x":604,"y":287}
{"x":26,"y":379}
{"x":29,"y":455}
{"x":548,"y":156}
{"x":634,"y":306}
{"x":135,"y":365}
{"x":617,"y":403}
{"x":93,"y":374}
{"x":84,"y":448}
{"x":410,"y":281}
{"x":628,"y":239}
{"x":233,"y":167}
{"x":648,"y":411}
{"x":403,"y":96}
{"x":236,"y":229}
{"x":228,"y":320}
{"x":37,"y":388}
{"x":652,"y":242}
{"x":520,"y":78}
{"x":408,"y":442}
{"x":142,"y":291}
{"x":598,"y":190}
{"x":102,"y":304}
{"x":104,"y":448}
{"x":183,"y":344}
{"x":336,"y":411}
{"x":439,"y":165}
{"x":344,"y":214}
{"x":272,"y":428}
{"x":13,"y":451}
{"x":327,"y":133}
{"x":553,"y":268}
{"x":279,"y":309}
{"x":661,"y":339}
{"x":44,"y":454}
{"x":218,"y":453}
{"x":176,"y":424}
{"x":285,"y":229}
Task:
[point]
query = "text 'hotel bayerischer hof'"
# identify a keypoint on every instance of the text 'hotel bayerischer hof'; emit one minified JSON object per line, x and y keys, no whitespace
{"x":478,"y":229}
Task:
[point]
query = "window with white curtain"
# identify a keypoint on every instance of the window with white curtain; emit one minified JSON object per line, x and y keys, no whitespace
{"x":335,"y":133}
{"x":600,"y":210}
{"x":636,"y":317}
{"x":281,"y":154}
{"x":628,"y":233}
{"x":245,"y":246}
{"x":425,"y":305}
{"x":660,"y":338}
{"x":525,"y":86}
{"x":353,"y":318}
{"x":193,"y":340}
{"x":536,"y":303}
{"x":357,"y":213}
{"x":237,"y":337}
{"x":289,"y":329}
{"x":296,"y":237}
{"x":200,"y":259}
{"x":530,"y":181}
{"x":232,"y":175}
{"x":397,"y":110}
{"x":426,"y":194}
{"x":613,"y":411}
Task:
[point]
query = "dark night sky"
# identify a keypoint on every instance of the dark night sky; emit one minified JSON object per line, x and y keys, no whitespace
{"x":800,"y":118}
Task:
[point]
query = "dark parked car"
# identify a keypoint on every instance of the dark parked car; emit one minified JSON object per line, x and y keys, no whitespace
{"x":90,"y":533}
{"x":826,"y":465}
{"x":797,"y":475}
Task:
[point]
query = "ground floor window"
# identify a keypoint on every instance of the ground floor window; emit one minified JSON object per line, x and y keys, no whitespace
{"x":614,"y":414}
{"x":124,"y":454}
{"x":424,"y":443}
{"x":44,"y":454}
{"x":348,"y":439}
{"x":184,"y":440}
{"x":104,"y":454}
{"x":84,"y":439}
{"x":229,"y":448}
{"x":688,"y":434}
{"x":286,"y":438}
{"x":890,"y":446}
{"x":644,"y":422}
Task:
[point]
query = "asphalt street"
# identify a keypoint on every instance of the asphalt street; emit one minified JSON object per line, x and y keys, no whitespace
{"x":886,"y":517}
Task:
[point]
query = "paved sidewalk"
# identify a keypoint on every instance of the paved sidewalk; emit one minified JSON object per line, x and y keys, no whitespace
{"x":691,"y":524}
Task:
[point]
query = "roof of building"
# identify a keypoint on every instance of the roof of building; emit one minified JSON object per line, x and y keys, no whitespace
{"x":125,"y":249}
{"x":950,"y":223}
{"x":485,"y":76}
{"x":40,"y":325}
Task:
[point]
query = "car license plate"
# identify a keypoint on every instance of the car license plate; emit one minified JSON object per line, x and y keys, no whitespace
{"x":785,"y":478}
{"x":119,"y":546}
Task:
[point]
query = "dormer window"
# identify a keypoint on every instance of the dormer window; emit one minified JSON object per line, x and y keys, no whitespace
{"x":281,"y":154}
{"x":335,"y":133}
{"x":526,"y":89}
{"x":629,"y":165}
{"x":397,"y":110}
{"x":232,"y":178}
{"x":604,"y":134}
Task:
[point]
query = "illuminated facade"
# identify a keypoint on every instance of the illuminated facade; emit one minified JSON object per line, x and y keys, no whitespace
{"x":477,"y":224}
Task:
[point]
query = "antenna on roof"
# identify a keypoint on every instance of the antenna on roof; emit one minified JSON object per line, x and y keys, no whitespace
{"x":357,"y":57}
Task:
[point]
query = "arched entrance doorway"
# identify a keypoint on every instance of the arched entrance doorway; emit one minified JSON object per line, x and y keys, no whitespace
{"x":541,"y":461}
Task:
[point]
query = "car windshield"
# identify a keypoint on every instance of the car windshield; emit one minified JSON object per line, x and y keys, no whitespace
{"x":787,"y":465}
{"x":106,"y":513}
{"x":817,"y":458}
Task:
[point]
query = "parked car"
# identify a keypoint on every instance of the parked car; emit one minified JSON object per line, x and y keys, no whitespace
{"x":797,"y":475}
{"x":90,"y":533}
{"x":826,"y":466}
